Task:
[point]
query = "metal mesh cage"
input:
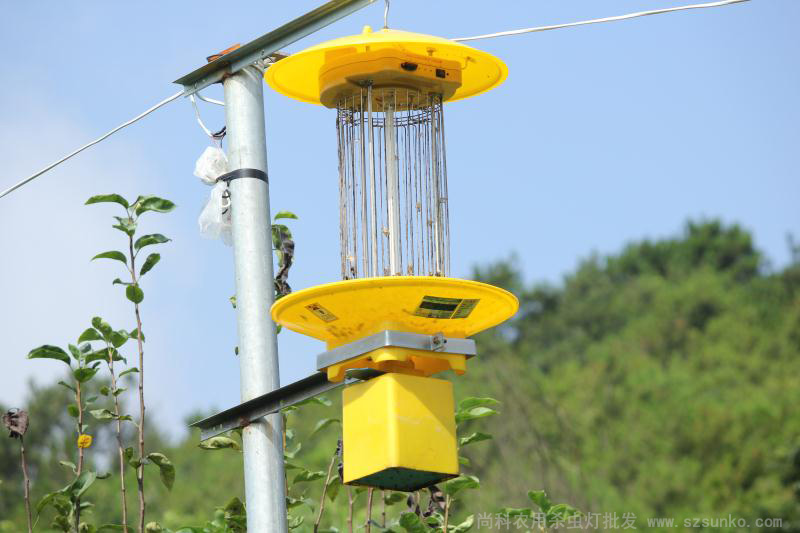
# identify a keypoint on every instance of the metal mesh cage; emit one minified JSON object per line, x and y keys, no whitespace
{"x":392,"y":184}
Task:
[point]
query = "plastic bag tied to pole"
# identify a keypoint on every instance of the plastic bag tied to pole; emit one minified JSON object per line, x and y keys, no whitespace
{"x":215,"y":219}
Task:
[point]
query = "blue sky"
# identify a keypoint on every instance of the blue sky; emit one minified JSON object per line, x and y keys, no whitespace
{"x":601,"y":135}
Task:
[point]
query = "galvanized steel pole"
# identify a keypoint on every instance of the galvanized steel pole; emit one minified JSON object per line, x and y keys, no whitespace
{"x":252,"y":250}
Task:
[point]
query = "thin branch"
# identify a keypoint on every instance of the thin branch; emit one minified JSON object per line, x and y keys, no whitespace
{"x":447,"y":502}
{"x":120,"y":447}
{"x":27,"y":485}
{"x":325,"y":490}
{"x":140,"y":468}
{"x":383,"y":508}
{"x":80,"y":452}
{"x":349,"y":510}
{"x":368,"y":526}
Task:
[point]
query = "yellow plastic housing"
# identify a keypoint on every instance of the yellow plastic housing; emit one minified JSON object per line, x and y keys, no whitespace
{"x":402,"y":360}
{"x":298,"y":75}
{"x":345,"y":311}
{"x":345,"y":77}
{"x":399,"y":432}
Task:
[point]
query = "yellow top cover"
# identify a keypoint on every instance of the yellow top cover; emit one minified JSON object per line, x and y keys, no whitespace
{"x":345,"y":311}
{"x":297,"y":76}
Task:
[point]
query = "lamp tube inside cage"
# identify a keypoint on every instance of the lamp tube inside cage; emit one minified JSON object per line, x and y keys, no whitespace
{"x":393,"y":184}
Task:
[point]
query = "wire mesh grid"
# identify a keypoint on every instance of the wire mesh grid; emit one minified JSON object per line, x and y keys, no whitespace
{"x":394,"y":217}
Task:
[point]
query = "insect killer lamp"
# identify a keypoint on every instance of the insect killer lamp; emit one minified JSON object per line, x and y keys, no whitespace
{"x":396,"y":310}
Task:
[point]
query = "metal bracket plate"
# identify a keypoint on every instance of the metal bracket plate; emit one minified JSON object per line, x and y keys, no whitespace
{"x":274,"y":401}
{"x":400,"y":339}
{"x":264,"y":46}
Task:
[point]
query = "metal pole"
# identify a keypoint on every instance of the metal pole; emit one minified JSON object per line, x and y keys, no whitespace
{"x":252,"y":250}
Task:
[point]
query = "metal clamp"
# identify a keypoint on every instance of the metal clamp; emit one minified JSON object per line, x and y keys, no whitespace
{"x":399,"y":339}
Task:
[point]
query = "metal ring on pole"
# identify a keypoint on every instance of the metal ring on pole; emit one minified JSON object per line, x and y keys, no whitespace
{"x":244,"y":173}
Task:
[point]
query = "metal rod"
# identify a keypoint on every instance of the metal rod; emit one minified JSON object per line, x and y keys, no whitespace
{"x":272,"y":402}
{"x":262,"y":47}
{"x":252,"y":250}
{"x":373,"y":200}
{"x":393,"y":188}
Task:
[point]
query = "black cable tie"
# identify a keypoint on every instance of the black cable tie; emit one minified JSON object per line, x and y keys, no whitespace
{"x":244,"y":173}
{"x":220,"y":134}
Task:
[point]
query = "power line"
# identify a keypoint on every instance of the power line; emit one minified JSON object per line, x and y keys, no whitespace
{"x":596,"y":21}
{"x":88,"y":145}
{"x":473,"y":38}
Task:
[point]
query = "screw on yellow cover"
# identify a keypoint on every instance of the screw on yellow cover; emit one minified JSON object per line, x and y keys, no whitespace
{"x":298,"y":75}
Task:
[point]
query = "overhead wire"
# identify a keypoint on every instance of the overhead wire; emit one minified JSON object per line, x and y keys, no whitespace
{"x":386,"y":17}
{"x":106,"y":135}
{"x":215,"y":137}
{"x":597,"y":21}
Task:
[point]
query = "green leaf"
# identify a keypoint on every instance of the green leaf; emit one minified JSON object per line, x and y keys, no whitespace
{"x":464,"y":461}
{"x":153,"y":527}
{"x":111,"y":527}
{"x":395,"y":497}
{"x":285,"y":214}
{"x":220,"y":443}
{"x":455,"y":485}
{"x":149,"y":263}
{"x":73,"y":410}
{"x":102,"y":355}
{"x":116,"y":198}
{"x":469,"y":403}
{"x":134,"y":293}
{"x":464,"y":526}
{"x":307,"y":475}
{"x":334,"y":484}
{"x":295,"y":521}
{"x":119,"y":390}
{"x":319,"y":400}
{"x":84,"y":374}
{"x":475,"y":437}
{"x":90,"y":399}
{"x":293,"y":453}
{"x":126,"y":225}
{"x":134,"y":334}
{"x":128,"y":454}
{"x":90,"y":334}
{"x":560,"y":512}
{"x":76,"y":353}
{"x":513,"y":512}
{"x":539,"y":497}
{"x":132,"y":370}
{"x":152,"y":203}
{"x":101,"y":326}
{"x":473,"y":413}
{"x":118,"y":281}
{"x":70,"y":387}
{"x":165,"y":467}
{"x":412,"y":523}
{"x":322,"y":424}
{"x":105,"y":414}
{"x":147,"y":240}
{"x":291,"y":503}
{"x":113,"y":254}
{"x":118,"y":338}
{"x":82,"y":484}
{"x":49,"y":352}
{"x":105,"y":390}
{"x":69,"y":465}
{"x":49,"y":498}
